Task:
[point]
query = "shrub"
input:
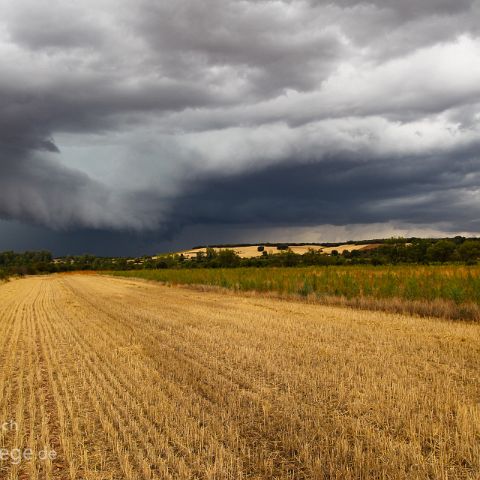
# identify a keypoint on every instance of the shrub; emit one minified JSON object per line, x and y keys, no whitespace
{"x":469,"y":251}
{"x":441,"y":251}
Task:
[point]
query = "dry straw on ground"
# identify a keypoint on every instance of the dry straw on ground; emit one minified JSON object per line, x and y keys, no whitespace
{"x":132,"y":380}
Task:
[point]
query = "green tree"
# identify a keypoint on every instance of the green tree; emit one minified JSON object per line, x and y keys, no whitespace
{"x":469,"y":251}
{"x":441,"y":251}
{"x":211,"y":254}
{"x":227,"y":258}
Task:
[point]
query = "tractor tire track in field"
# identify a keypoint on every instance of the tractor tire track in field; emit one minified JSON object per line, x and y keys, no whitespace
{"x":125,"y":379}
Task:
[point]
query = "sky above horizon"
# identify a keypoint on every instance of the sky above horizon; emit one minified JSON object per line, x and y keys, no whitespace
{"x":137,"y":126}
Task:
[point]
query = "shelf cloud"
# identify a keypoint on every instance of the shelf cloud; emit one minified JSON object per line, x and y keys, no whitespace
{"x":152,"y":118}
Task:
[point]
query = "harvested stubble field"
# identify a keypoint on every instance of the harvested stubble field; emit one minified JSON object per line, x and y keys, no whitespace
{"x":126,"y":379}
{"x":252,"y":251}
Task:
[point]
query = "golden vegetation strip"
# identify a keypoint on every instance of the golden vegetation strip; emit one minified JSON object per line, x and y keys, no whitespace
{"x":451,"y":291}
{"x":125,"y":379}
{"x":252,"y":251}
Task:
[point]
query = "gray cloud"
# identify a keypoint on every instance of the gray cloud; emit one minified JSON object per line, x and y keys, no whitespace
{"x":343,"y":191}
{"x":409,"y":9}
{"x":60,"y":26}
{"x":157,"y":116}
{"x":268,"y":47}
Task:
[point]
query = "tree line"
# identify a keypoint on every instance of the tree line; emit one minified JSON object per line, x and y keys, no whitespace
{"x":388,"y":252}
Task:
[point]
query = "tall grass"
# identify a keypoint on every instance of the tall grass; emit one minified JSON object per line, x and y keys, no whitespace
{"x":447,"y":291}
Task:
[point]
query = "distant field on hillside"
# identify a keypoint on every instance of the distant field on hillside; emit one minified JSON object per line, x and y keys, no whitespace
{"x":252,"y":251}
{"x":447,"y":291}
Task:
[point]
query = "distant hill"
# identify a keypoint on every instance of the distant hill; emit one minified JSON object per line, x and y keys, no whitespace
{"x":258,"y":249}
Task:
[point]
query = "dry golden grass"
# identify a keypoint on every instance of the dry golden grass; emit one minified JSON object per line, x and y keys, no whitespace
{"x":126,"y":379}
{"x":252,"y":251}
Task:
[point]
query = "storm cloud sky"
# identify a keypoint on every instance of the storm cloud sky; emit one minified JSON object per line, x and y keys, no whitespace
{"x":153,"y":124}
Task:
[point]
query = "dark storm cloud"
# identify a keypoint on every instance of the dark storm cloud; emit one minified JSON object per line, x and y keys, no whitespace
{"x":161,"y":115}
{"x":342,"y":191}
